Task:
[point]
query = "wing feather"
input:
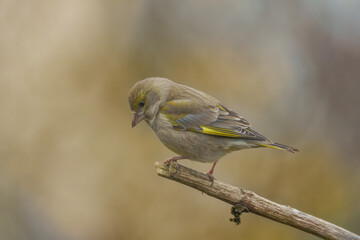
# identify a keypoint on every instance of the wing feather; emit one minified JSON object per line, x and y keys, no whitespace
{"x":212,"y":119}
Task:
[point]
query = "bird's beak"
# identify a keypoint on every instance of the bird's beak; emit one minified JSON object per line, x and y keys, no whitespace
{"x":137,"y":118}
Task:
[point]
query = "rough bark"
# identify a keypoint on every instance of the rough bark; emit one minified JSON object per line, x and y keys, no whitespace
{"x":247,"y":201}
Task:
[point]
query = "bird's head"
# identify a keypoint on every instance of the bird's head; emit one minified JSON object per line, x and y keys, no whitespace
{"x":146,"y":97}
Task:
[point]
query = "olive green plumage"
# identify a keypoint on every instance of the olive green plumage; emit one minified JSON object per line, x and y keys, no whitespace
{"x":191,"y":123}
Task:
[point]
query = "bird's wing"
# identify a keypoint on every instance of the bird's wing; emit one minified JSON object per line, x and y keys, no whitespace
{"x":210,"y":119}
{"x":187,"y":114}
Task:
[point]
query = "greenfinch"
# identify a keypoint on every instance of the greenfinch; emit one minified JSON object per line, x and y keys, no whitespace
{"x":193,"y":124}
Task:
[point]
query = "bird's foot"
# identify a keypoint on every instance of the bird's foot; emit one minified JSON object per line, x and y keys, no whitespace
{"x":211,"y":177}
{"x":174,"y":160}
{"x":211,"y":173}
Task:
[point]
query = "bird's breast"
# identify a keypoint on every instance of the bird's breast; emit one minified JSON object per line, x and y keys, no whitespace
{"x":194,"y":146}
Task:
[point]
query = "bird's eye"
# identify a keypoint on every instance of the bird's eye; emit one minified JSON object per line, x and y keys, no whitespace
{"x":142,"y":103}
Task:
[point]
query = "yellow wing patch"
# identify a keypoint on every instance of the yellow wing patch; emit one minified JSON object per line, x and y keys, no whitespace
{"x":218,"y":132}
{"x":219,"y":106}
{"x":270,"y":146}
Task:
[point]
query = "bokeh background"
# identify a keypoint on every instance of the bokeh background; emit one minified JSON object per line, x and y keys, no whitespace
{"x":72,"y":168}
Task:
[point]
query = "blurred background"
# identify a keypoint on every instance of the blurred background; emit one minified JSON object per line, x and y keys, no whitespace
{"x":72,"y":168}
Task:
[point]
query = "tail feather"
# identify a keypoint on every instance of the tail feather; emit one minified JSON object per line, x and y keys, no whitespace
{"x":280,"y":146}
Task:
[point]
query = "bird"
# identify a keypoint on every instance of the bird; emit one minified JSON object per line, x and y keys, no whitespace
{"x":193,"y":124}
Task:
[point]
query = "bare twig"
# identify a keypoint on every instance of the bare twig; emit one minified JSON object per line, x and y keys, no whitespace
{"x":246,"y":200}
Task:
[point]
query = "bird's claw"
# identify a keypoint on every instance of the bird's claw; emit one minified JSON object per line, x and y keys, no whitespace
{"x":172,"y":160}
{"x":211,"y":177}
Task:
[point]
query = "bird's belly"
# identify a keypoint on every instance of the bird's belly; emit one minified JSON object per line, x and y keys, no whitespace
{"x":194,"y":146}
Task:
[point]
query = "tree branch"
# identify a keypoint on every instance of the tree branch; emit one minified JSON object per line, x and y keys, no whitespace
{"x":246,"y":200}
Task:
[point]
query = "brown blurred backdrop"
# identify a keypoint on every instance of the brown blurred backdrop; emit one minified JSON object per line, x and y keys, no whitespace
{"x":71,"y":167}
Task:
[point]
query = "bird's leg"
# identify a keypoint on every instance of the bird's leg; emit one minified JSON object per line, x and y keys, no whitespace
{"x":210,"y":173}
{"x":174,"y":160}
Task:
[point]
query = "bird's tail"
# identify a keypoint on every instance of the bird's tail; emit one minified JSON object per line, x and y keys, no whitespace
{"x":279,"y":146}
